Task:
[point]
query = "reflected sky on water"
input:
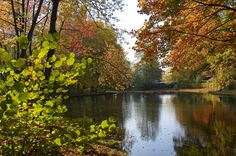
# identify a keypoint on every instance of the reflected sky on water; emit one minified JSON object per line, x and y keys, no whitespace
{"x":166,"y":125}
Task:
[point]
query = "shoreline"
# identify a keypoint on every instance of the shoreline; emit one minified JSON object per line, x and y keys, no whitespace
{"x":199,"y":91}
{"x":163,"y":91}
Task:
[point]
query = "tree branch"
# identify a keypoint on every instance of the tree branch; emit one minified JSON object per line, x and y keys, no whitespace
{"x":52,"y":30}
{"x":216,"y":5}
{"x":34,"y":21}
{"x":199,"y":35}
{"x":14,"y":18}
{"x":23,"y":16}
{"x":7,"y":21}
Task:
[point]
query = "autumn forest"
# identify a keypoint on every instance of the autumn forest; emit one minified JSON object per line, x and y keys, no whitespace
{"x":52,"y":51}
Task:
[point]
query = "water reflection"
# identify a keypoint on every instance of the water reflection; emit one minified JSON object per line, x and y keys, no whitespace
{"x":152,"y":124}
{"x":180,"y":124}
{"x":209,"y":124}
{"x":145,"y":110}
{"x":96,"y":107}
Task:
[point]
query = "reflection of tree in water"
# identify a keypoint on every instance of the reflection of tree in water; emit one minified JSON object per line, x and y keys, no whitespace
{"x":198,"y":111}
{"x":209,"y":126}
{"x":128,"y":142}
{"x":143,"y":111}
{"x":221,"y":141}
{"x":147,"y":115}
{"x":96,"y":107}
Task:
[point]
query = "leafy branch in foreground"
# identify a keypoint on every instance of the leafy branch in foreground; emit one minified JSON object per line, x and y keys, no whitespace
{"x":31,"y":108}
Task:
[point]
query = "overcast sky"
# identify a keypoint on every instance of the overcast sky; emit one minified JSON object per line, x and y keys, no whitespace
{"x":130,"y":19}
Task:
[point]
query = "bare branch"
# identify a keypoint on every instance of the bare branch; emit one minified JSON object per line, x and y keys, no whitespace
{"x":34,"y":21}
{"x":14,"y":18}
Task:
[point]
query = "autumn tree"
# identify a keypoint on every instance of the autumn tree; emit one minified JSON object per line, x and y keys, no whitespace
{"x":109,"y":69}
{"x":33,"y":18}
{"x":195,"y":35}
{"x":35,"y":76}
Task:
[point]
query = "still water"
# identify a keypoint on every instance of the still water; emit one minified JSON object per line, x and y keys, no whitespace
{"x":167,"y":125}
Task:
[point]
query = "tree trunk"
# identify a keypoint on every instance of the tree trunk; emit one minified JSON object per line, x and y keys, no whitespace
{"x":52,"y":30}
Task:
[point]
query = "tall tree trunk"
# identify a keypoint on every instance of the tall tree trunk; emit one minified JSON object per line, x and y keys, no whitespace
{"x":52,"y":30}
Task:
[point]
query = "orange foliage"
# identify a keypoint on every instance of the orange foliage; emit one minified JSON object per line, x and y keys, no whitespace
{"x":185,"y":33}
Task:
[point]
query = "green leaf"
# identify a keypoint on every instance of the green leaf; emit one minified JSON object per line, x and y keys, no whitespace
{"x":53,"y":45}
{"x":53,"y":58}
{"x":83,"y":65}
{"x":57,"y":141}
{"x":59,"y":90}
{"x":111,"y":120}
{"x":23,"y":41}
{"x":49,"y":103}
{"x":21,"y":62}
{"x":6,"y":57}
{"x":2,"y":69}
{"x":40,"y":73}
{"x":104,"y":124}
{"x":63,"y":58}
{"x":24,"y":96}
{"x":58,"y":64}
{"x":25,"y":72}
{"x":19,"y":86}
{"x":46,"y":44}
{"x":92,"y":128}
{"x":56,"y":36}
{"x":40,"y":38}
{"x":50,"y":37}
{"x":72,"y":54}
{"x":83,"y":61}
{"x":48,"y":65}
{"x":112,"y":127}
{"x":89,"y":60}
{"x":35,"y":87}
{"x":39,"y":66}
{"x":61,"y":77}
{"x":2,"y":51}
{"x":70,"y":61}
{"x":1,"y":82}
{"x":66,"y":97}
{"x":101,"y":134}
{"x":42,"y":78}
{"x":78,"y":132}
{"x":55,"y":73}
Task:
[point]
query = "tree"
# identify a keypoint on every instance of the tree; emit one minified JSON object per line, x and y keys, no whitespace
{"x":35,"y":77}
{"x":147,"y":75}
{"x":187,"y":33}
{"x":109,"y":69}
{"x":37,"y":17}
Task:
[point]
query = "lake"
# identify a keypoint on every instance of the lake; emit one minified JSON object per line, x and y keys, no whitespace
{"x":166,"y":125}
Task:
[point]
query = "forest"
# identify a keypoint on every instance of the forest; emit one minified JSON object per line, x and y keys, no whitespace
{"x":50,"y":49}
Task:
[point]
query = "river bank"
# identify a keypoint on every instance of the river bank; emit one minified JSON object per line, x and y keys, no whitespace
{"x":162,"y":91}
{"x":199,"y":90}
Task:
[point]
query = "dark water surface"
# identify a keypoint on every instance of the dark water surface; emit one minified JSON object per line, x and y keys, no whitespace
{"x":167,"y":125}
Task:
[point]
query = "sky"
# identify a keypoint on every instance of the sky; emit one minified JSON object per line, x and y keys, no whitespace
{"x":130,"y":19}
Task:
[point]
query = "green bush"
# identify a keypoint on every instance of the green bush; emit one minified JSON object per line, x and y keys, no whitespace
{"x":31,"y":108}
